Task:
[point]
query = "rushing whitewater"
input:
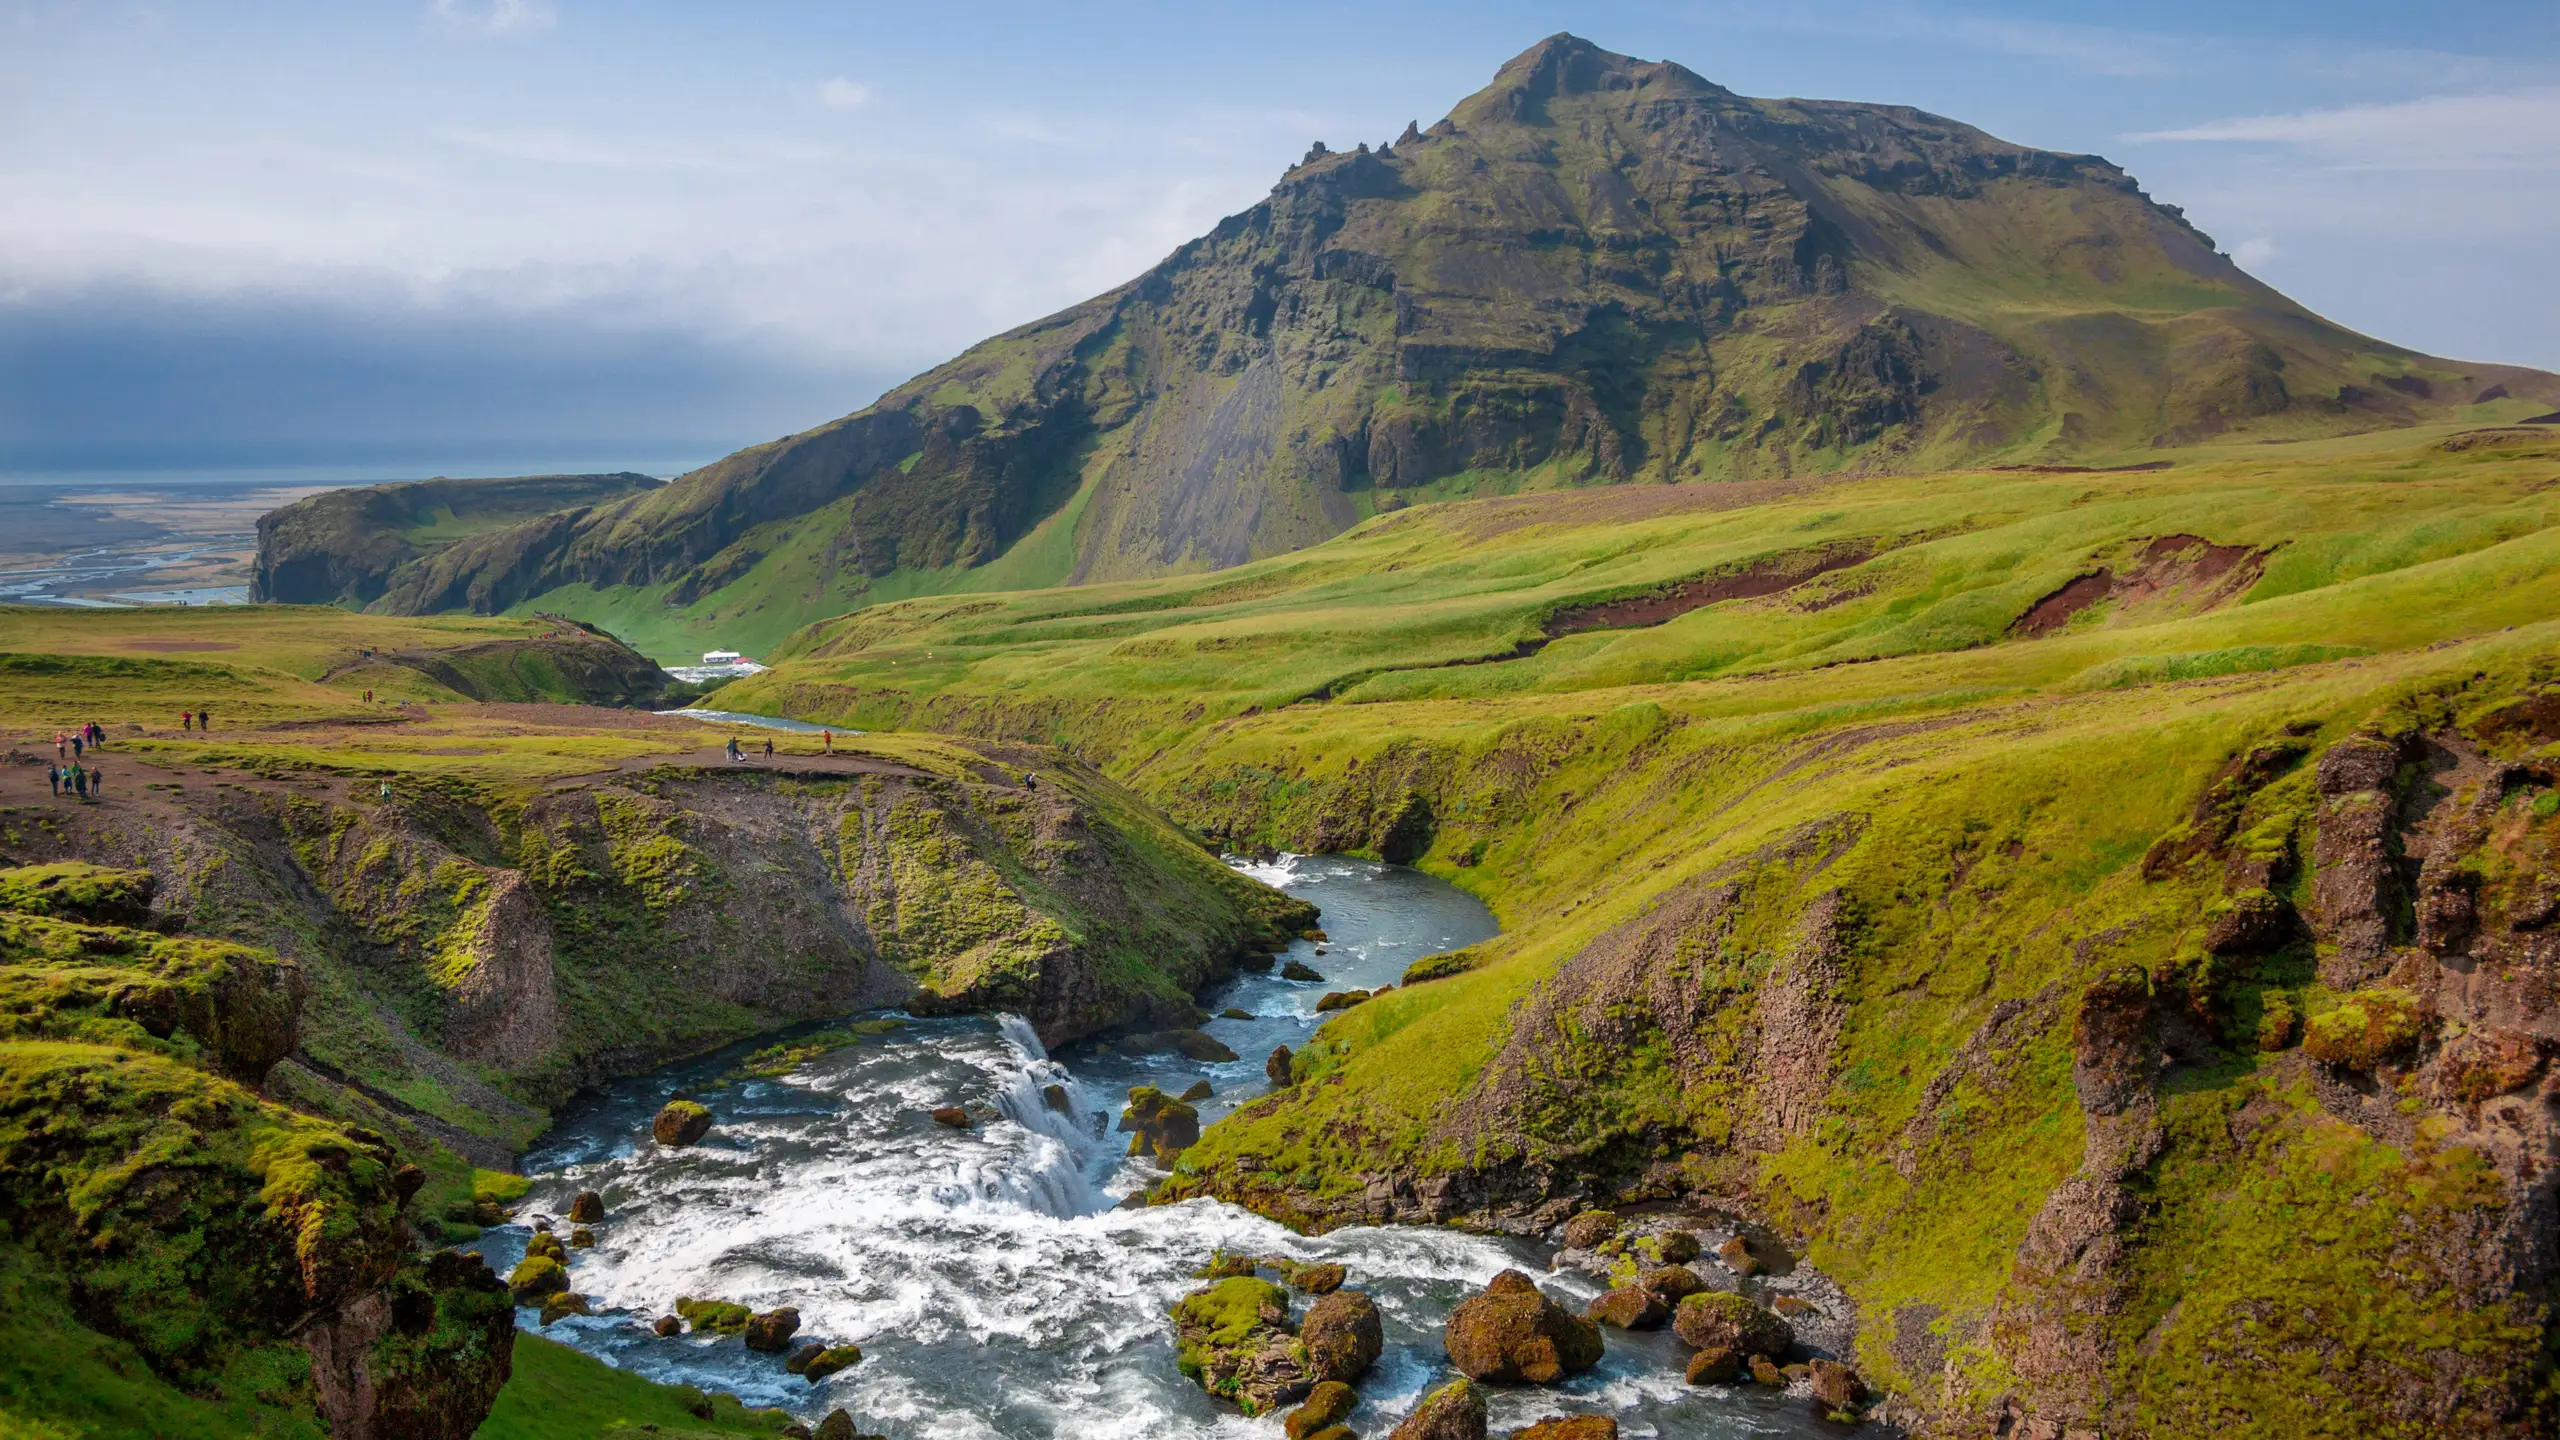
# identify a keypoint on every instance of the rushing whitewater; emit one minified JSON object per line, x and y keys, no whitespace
{"x":993,"y":1284}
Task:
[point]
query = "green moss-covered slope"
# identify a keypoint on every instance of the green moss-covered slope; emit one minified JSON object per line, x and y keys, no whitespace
{"x":185,"y":1256}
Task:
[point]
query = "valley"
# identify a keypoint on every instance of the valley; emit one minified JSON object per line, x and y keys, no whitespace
{"x":1773,"y":765}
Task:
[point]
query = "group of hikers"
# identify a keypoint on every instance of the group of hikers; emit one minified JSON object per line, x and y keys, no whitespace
{"x":199,"y":718}
{"x":75,"y":778}
{"x":826,"y":746}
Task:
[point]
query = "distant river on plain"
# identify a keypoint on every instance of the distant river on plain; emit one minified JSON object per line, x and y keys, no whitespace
{"x":995,"y":1288}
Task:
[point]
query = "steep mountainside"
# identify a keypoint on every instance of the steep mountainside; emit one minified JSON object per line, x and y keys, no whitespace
{"x":343,"y":547}
{"x":1597,"y":269}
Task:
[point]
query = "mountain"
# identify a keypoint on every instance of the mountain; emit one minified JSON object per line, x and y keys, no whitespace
{"x":1597,"y":269}
{"x":344,"y":547}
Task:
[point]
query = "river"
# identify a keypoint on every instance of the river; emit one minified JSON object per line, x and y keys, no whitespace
{"x":993,"y":1285}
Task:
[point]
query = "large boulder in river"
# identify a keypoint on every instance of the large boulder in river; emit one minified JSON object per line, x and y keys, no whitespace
{"x":1455,"y":1411}
{"x":1235,"y":1338}
{"x":1342,"y":1336}
{"x":1326,"y":1407}
{"x":537,"y":1279}
{"x":680,"y":1122}
{"x":587,"y":1209}
{"x":830,"y":1360}
{"x":1717,"y":1320}
{"x":1510,"y":1332}
{"x":772,"y":1330}
{"x":1159,"y":1125}
{"x":1670,"y":1284}
{"x":1278,"y":1067}
{"x":1628,"y":1307}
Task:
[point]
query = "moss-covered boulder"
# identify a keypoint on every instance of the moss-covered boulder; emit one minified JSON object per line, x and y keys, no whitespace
{"x":680,"y":1122}
{"x":830,"y":1361}
{"x":717,"y":1317}
{"x":1320,"y":1278}
{"x":1716,"y":1365}
{"x":1720,"y":1320}
{"x":1628,"y":1307}
{"x":772,"y":1330}
{"x":2367,"y":1029}
{"x":536,"y":1278}
{"x":1159,"y":1125}
{"x":1455,"y":1411}
{"x":1234,"y":1337}
{"x":1342,"y":1335}
{"x":1591,"y":1229}
{"x":1510,"y":1333}
{"x":1326,"y":1406}
{"x":587,"y":1208}
{"x":546,"y":1245}
{"x":1670,"y":1284}
{"x":1838,"y":1391}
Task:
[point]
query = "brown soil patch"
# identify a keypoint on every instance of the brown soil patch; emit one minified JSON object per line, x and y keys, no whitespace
{"x":2164,"y":563}
{"x":1767,"y":577}
{"x":2082,"y":469}
{"x":159,"y":645}
{"x":568,"y":717}
{"x":2501,"y":437}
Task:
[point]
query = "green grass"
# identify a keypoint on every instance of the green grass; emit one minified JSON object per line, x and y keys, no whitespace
{"x":1980,"y":806}
{"x":558,"y":1393}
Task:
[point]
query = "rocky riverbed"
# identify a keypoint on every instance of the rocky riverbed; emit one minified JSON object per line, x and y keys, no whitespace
{"x":984,"y":1263}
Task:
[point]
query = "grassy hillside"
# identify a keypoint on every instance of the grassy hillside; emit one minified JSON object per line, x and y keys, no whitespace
{"x":2097,"y":916}
{"x":344,"y":546}
{"x":1597,"y":270}
{"x":384,"y":937}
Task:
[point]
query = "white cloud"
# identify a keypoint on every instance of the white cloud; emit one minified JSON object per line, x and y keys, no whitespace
{"x":2498,"y":130}
{"x":498,"y":17}
{"x":2252,"y":253}
{"x":843,"y":94}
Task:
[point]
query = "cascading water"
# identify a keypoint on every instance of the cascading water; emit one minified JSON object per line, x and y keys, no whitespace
{"x":993,"y":1284}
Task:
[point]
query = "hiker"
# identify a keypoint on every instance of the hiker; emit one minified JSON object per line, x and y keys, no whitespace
{"x":59,"y":740}
{"x":186,"y":719}
{"x":53,"y":777}
{"x":768,"y":747}
{"x":204,"y":718}
{"x":97,"y":734}
{"x":78,"y":744}
{"x":734,"y":756}
{"x":827,"y":741}
{"x":97,"y":781}
{"x":80,"y":781}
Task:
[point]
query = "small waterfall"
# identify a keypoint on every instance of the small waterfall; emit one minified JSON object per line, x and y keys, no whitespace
{"x":1066,"y":1152}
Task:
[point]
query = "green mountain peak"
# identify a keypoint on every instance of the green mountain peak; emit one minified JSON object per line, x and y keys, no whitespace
{"x":1597,"y":269}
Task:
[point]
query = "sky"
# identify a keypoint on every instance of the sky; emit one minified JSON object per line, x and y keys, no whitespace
{"x":482,"y":236}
